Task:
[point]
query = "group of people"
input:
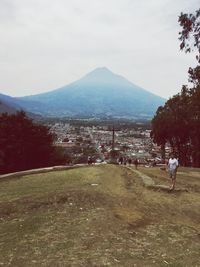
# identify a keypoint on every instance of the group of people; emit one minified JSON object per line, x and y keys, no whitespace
{"x":129,"y":161}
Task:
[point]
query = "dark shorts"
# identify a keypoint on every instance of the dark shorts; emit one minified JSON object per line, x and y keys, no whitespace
{"x":172,"y":174}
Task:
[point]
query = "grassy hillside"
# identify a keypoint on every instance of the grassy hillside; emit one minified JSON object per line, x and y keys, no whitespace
{"x":99,"y":216}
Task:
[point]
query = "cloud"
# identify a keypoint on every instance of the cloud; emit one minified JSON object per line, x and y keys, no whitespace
{"x":46,"y":44}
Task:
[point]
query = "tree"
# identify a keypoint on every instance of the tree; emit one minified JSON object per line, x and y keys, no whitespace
{"x":24,"y":144}
{"x":195,"y":125}
{"x":190,"y":41}
{"x":170,"y":124}
{"x":159,"y":129}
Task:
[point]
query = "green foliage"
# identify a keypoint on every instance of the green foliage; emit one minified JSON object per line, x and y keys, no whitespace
{"x":24,"y":144}
{"x":178,"y":123}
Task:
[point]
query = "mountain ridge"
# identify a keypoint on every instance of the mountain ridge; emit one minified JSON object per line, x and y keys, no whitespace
{"x":99,"y":93}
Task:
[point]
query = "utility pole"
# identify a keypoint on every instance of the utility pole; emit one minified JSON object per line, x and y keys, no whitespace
{"x":113,"y":156}
{"x":113,"y":138}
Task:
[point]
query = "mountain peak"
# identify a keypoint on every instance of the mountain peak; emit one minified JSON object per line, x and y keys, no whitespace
{"x":102,"y":72}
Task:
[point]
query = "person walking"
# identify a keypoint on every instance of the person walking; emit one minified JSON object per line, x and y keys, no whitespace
{"x":172,"y":167}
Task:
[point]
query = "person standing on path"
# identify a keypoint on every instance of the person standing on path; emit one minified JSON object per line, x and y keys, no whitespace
{"x":172,"y":166}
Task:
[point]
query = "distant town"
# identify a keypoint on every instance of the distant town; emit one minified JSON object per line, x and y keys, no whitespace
{"x":81,"y":140}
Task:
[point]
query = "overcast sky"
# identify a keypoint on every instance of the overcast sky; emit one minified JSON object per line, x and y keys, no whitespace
{"x":45,"y":44}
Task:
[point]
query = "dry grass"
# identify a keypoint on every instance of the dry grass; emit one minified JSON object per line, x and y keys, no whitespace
{"x":99,"y":216}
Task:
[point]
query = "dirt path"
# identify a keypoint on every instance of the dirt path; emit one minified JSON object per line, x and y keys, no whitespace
{"x":147,"y":181}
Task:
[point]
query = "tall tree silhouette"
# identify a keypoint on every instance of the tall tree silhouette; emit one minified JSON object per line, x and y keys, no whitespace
{"x":24,"y":144}
{"x":190,"y":42}
{"x":170,"y":125}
